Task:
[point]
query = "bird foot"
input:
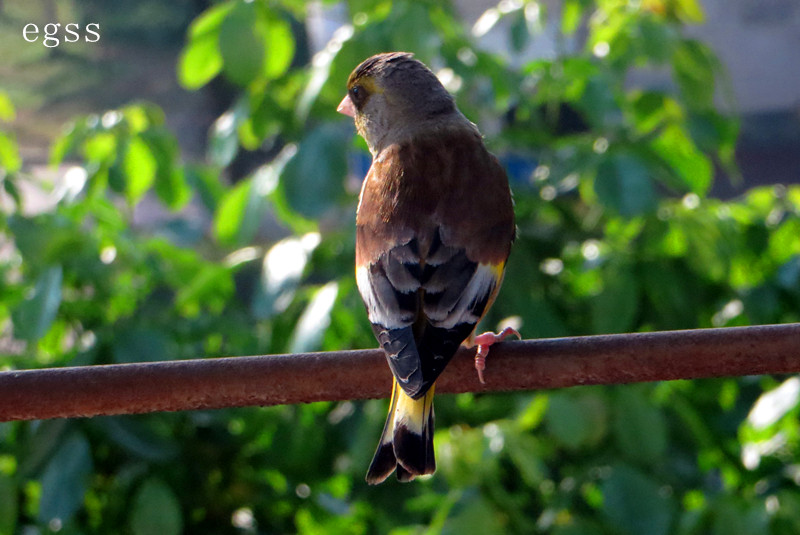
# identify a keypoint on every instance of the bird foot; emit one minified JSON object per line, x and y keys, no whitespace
{"x":484,"y":341}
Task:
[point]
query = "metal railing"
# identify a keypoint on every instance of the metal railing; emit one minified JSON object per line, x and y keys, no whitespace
{"x":339,"y":375}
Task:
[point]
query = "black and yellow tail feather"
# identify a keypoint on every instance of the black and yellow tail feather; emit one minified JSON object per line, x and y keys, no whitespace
{"x":406,"y":443}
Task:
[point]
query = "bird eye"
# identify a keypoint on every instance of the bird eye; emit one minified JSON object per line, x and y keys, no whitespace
{"x":358,"y":95}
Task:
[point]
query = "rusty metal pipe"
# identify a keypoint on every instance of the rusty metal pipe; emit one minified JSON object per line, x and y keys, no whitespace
{"x":339,"y":375}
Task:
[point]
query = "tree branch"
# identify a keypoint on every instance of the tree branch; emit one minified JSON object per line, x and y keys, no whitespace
{"x":341,"y":375}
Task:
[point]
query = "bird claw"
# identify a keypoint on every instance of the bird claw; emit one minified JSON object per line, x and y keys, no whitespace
{"x":484,"y":341}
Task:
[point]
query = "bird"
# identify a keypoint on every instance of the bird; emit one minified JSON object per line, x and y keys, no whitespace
{"x":434,"y":229}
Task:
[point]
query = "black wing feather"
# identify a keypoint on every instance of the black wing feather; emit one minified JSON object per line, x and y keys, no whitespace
{"x":416,"y":297}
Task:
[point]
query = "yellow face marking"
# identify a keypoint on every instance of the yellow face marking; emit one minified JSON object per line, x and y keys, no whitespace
{"x":369,"y":83}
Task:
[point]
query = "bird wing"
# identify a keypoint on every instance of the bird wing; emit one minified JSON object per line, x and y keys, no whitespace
{"x":432,"y":238}
{"x":421,"y":310}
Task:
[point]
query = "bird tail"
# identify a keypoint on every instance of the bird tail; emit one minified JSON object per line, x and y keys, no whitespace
{"x":407,"y":439}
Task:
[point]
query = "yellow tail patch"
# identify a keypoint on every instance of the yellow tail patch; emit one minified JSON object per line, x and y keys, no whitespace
{"x":407,"y":440}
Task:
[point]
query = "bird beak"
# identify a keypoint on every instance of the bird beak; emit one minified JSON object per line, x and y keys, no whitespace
{"x":346,"y":107}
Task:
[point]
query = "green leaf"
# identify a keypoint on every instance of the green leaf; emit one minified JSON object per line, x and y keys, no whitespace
{"x":788,"y":275}
{"x":762,"y":305}
{"x":199,"y":62}
{"x":172,"y":188}
{"x":623,"y":183}
{"x":736,"y":515}
{"x":691,"y":167}
{"x":473,"y":514}
{"x":670,"y":293}
{"x":11,"y":188}
{"x":313,"y":180}
{"x":137,"y":435}
{"x":693,"y":67}
{"x":67,"y":143}
{"x":9,"y":153}
{"x":597,"y":99}
{"x":614,"y":309}
{"x":33,"y":317}
{"x":518,"y":32}
{"x":786,"y":521}
{"x":142,"y":344}
{"x":310,"y":328}
{"x":639,"y":427}
{"x":281,"y":270}
{"x":783,"y":242}
{"x":141,"y":117}
{"x":209,"y":21}
{"x":576,"y":420}
{"x":690,"y":11}
{"x":320,"y":73}
{"x":65,"y":480}
{"x":42,"y":240}
{"x":205,"y":182}
{"x":140,"y":167}
{"x":279,"y":45}
{"x":651,"y":109}
{"x":8,"y":502}
{"x":200,"y":59}
{"x":241,"y":49}
{"x":171,"y":185}
{"x":101,"y":147}
{"x":241,"y":210}
{"x":634,"y":504}
{"x":236,"y":220}
{"x":7,"y":112}
{"x":209,"y":290}
{"x":657,"y":39}
{"x":224,"y":140}
{"x":40,"y":444}
{"x":571,"y":14}
{"x":155,"y":510}
{"x":715,"y":134}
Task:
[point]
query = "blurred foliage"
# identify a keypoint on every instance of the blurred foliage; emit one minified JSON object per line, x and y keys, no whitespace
{"x":615,"y":234}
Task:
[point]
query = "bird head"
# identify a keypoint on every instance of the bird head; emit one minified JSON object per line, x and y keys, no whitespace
{"x":392,"y":96}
